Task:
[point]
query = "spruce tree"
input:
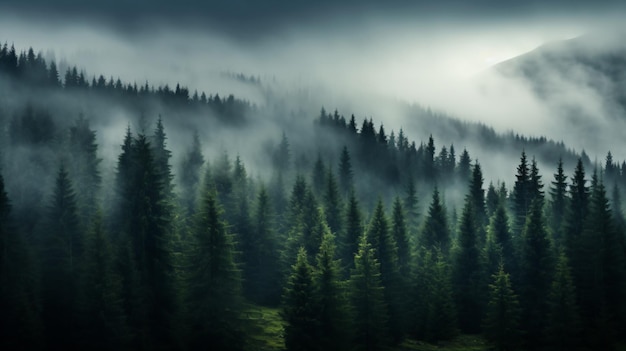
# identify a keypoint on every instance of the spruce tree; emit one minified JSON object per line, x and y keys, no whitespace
{"x":346,"y":175}
{"x":520,"y":196}
{"x":214,"y":281}
{"x":563,"y":323}
{"x":433,"y":311}
{"x":20,"y":324}
{"x":467,"y":279}
{"x":536,"y":272}
{"x":103,"y":323}
{"x":400,"y":235}
{"x":61,"y":259}
{"x":386,"y":250}
{"x":412,"y":214}
{"x":558,"y":202}
{"x":502,"y":315}
{"x":261,"y":257}
{"x":501,"y":235}
{"x":331,"y":298}
{"x":353,"y":230}
{"x":300,"y":309}
{"x":435,"y":233}
{"x":318,"y":176}
{"x":332,"y":203}
{"x":368,"y":301}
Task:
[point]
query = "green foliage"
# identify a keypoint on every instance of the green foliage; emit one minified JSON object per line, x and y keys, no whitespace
{"x":433,"y":312}
{"x":300,"y":311}
{"x":367,"y":298}
{"x":502,"y":315}
{"x":334,"y":328}
{"x":537,"y":265}
{"x":62,"y":249}
{"x":563,"y":326}
{"x":214,"y":281}
{"x":353,"y":230}
{"x":558,"y":202}
{"x":467,"y":274}
{"x":435,"y":233}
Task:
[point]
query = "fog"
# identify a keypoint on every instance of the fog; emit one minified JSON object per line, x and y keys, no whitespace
{"x":373,"y":65}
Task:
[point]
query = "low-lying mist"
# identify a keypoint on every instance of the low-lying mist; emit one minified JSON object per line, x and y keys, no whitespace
{"x":376,"y":67}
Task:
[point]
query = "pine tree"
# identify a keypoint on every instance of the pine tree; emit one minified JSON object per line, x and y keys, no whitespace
{"x":501,"y":236}
{"x":368,"y":301}
{"x":20,"y":326}
{"x":214,"y":281}
{"x":476,"y":196}
{"x":261,"y":273}
{"x":464,"y":168}
{"x":558,"y":202}
{"x":492,"y":200}
{"x":467,"y":280}
{"x":520,"y":196}
{"x":502,"y":316}
{"x":61,"y":253}
{"x":435,"y":233}
{"x":536,"y":272}
{"x":103,"y":323}
{"x":333,"y":314}
{"x":300,"y":311}
{"x":346,"y":176}
{"x":433,"y":310}
{"x":576,"y":214}
{"x":84,"y":168}
{"x":332,"y":203}
{"x":412,"y":214}
{"x":563,"y":322}
{"x":318,"y":176}
{"x":400,"y":235}
{"x":386,"y":250}
{"x":353,"y":230}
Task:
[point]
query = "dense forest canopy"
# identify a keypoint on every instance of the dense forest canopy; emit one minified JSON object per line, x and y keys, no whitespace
{"x":135,"y":216}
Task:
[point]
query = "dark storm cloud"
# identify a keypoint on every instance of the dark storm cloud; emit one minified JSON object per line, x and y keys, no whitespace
{"x":256,"y":17}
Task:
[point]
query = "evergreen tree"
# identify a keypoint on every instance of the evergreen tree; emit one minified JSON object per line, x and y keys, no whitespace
{"x":502,"y":316}
{"x":61,"y":253}
{"x":602,"y":272}
{"x":501,"y":236}
{"x":464,"y":168}
{"x":576,"y":214}
{"x":84,"y":168}
{"x":214,"y":282}
{"x":300,"y":311}
{"x":412,"y":214}
{"x":346,"y":176}
{"x":261,"y":271}
{"x":467,"y":280}
{"x":400,"y":235}
{"x":558,"y":202}
{"x":435,"y":233}
{"x":333,"y":333}
{"x":536,"y":272}
{"x":476,"y":196}
{"x":368,"y":301}
{"x":386,"y":250}
{"x":332,"y":203}
{"x":563,"y":322}
{"x":282,"y":156}
{"x":353,"y":230}
{"x":103,"y":324}
{"x":520,"y":196}
{"x":492,"y":200}
{"x":318,"y":176}
{"x":433,"y":309}
{"x":19,"y":321}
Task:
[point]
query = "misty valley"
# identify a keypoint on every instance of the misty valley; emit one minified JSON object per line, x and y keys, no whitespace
{"x":147,"y":216}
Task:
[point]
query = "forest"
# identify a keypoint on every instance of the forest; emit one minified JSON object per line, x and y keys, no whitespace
{"x":354,"y":239}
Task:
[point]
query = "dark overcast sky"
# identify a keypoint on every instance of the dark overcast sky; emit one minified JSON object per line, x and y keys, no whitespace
{"x":255,"y":17}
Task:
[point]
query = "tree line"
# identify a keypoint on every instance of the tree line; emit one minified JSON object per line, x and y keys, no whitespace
{"x":147,"y":264}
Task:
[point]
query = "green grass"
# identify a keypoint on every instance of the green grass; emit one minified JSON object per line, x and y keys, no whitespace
{"x":265,"y":332}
